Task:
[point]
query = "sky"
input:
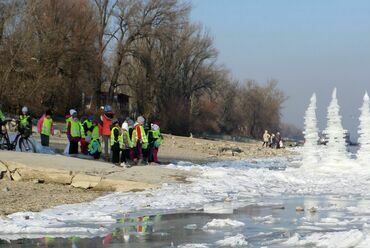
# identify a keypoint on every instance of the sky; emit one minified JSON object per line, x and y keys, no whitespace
{"x":307,"y":45}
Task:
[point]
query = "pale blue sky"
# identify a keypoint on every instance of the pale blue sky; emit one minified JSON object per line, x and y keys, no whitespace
{"x":307,"y":45}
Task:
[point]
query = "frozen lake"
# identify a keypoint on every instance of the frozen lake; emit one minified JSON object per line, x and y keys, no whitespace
{"x":240,"y":203}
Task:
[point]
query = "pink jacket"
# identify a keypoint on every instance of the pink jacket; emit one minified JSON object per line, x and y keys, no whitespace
{"x":40,"y":122}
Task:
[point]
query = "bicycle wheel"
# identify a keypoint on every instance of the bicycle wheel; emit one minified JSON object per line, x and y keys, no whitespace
{"x":25,"y":145}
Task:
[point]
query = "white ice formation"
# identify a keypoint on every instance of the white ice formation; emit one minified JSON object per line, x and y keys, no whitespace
{"x":311,"y":149}
{"x":363,"y":154}
{"x":336,"y":153}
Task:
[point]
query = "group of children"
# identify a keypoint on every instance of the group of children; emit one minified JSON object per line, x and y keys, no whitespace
{"x":130,"y":142}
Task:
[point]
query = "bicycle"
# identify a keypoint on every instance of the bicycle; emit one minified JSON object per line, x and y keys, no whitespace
{"x":21,"y":140}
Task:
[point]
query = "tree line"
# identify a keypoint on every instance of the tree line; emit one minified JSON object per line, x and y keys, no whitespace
{"x":53,"y":52}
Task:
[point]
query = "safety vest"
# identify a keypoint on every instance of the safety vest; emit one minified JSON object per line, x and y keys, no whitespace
{"x":156,"y":135}
{"x":46,"y":126}
{"x":95,"y":133}
{"x":76,"y":129}
{"x":2,"y":116}
{"x":89,"y":125}
{"x":68,"y":120}
{"x":135,"y":137}
{"x":112,"y":139}
{"x":90,"y":147}
{"x":126,"y":135}
{"x":23,"y":120}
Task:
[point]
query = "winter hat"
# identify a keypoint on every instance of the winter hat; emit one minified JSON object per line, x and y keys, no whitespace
{"x":140,"y":120}
{"x":107,"y":108}
{"x":72,"y":112}
{"x":24,"y":109}
{"x":154,"y":127}
{"x":125,"y":126}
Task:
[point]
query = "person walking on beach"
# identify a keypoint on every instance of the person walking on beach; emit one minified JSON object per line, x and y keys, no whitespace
{"x":266,"y":139}
{"x":45,"y":127}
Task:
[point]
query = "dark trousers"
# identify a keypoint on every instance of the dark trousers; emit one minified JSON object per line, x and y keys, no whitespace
{"x":115,"y":153}
{"x":138,"y":150}
{"x":73,"y":147}
{"x":44,"y":140}
{"x":153,"y":154}
{"x":126,"y":155}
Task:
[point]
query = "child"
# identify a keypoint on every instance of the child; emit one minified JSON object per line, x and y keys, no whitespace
{"x":94,"y":148}
{"x":74,"y":132}
{"x":116,"y":142}
{"x":45,"y":127}
{"x":139,"y":138}
{"x":155,"y":140}
{"x":127,"y":146}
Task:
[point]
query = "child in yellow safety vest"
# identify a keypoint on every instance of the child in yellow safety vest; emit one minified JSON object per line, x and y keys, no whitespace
{"x":45,"y":127}
{"x":94,"y":146}
{"x":139,"y":138}
{"x":116,"y":142}
{"x":74,"y":132}
{"x":127,"y":145}
{"x":25,"y":123}
{"x":155,"y":140}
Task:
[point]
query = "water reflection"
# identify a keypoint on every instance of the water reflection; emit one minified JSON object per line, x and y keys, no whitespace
{"x":266,"y":223}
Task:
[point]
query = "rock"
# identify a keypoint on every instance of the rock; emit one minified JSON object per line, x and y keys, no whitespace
{"x":16,"y":176}
{"x":313,"y":210}
{"x":85,"y":181}
{"x":299,"y":209}
{"x":38,"y":181}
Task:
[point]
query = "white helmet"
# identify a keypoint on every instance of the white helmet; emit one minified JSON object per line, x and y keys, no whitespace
{"x":24,"y":110}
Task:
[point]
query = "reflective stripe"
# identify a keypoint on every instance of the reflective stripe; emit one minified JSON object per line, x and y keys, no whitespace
{"x":135,"y":138}
{"x":46,"y":126}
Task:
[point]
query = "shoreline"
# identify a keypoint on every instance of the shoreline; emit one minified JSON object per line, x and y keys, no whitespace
{"x":35,"y":189}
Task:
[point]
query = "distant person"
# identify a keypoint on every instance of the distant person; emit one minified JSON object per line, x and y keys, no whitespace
{"x":45,"y":127}
{"x":127,"y":146}
{"x":74,"y":132}
{"x":279,"y":141}
{"x":25,"y":123}
{"x":139,"y":139}
{"x":266,"y":139}
{"x":272,"y":141}
{"x":105,"y":128}
{"x":155,"y":141}
{"x":116,"y":142}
